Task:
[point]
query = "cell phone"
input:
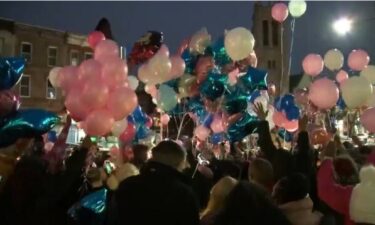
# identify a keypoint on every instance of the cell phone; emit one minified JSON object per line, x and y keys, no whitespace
{"x":93,"y":139}
{"x":109,"y":167}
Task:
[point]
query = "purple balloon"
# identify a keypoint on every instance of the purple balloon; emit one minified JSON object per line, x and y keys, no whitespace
{"x":9,"y":102}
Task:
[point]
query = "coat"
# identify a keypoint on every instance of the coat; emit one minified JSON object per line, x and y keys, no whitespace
{"x":334,"y":195}
{"x":159,"y":195}
{"x":301,"y":212}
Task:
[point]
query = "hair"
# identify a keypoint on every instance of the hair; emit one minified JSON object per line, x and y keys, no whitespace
{"x":346,"y":170}
{"x":219,"y":193}
{"x":291,"y":188}
{"x":169,"y":153}
{"x":248,"y":204}
{"x":140,"y":154}
{"x":126,"y":170}
{"x":261,"y":172}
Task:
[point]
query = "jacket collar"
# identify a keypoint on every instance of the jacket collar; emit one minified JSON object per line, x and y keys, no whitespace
{"x":159,"y":169}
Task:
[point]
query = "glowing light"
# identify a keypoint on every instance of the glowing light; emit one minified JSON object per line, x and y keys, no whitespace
{"x":342,"y":26}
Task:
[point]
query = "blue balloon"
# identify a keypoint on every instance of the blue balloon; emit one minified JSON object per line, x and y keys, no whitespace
{"x":208,"y":120}
{"x":254,"y":79}
{"x":243,"y":127}
{"x":235,"y":102}
{"x":287,"y":101}
{"x":190,"y":61}
{"x":220,"y":54}
{"x":25,"y":124}
{"x":213,"y":86}
{"x":139,"y":116}
{"x":277,"y":103}
{"x":95,"y":202}
{"x":142,"y":132}
{"x":341,"y":103}
{"x":217,"y":138}
{"x":130,"y":119}
{"x":253,"y":96}
{"x":292,"y":113}
{"x":11,"y":70}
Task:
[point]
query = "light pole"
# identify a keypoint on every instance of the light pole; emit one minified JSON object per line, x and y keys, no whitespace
{"x":342,"y":26}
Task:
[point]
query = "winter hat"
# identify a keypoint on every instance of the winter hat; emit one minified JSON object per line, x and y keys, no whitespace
{"x":362,"y":202}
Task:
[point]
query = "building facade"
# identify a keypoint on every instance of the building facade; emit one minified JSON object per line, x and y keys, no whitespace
{"x":272,"y":50}
{"x":43,"y":49}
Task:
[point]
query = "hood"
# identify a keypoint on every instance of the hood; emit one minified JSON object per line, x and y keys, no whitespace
{"x":300,"y":212}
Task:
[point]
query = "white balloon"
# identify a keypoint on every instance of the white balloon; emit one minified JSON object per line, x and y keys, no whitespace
{"x":52,"y":77}
{"x":133,"y":82}
{"x":334,"y":59}
{"x":369,"y":73}
{"x":199,"y":41}
{"x":239,"y":43}
{"x":119,"y":127}
{"x":371,"y":100}
{"x":356,"y":91}
{"x":297,"y":8}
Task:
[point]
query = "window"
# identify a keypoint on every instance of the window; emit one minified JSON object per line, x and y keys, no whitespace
{"x":74,"y":58}
{"x":275,"y":33}
{"x":25,"y":86}
{"x":51,"y":91}
{"x":27,"y":51}
{"x":265,"y":33}
{"x":52,"y":56}
{"x":273,"y":64}
{"x":88,"y":55}
{"x":2,"y":41}
{"x":269,"y":64}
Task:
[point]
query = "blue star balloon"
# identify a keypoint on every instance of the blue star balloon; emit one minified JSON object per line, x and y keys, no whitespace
{"x":190,"y":61}
{"x":220,"y":54}
{"x":11,"y":70}
{"x":292,"y":113}
{"x":234,"y":102}
{"x":139,"y":116}
{"x":26,"y":123}
{"x":254,"y":79}
{"x":96,"y":201}
{"x":243,"y":127}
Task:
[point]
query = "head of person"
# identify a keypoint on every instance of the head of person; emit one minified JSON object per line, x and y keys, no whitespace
{"x":218,"y":194}
{"x":95,"y":177}
{"x":140,"y":153}
{"x":261,"y":173}
{"x":346,"y":170}
{"x":291,"y":188}
{"x":169,"y":153}
{"x":126,"y":170}
{"x":247,"y":203}
{"x":362,"y":202}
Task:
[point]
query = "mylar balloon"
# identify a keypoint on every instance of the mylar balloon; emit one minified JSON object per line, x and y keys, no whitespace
{"x":145,"y":47}
{"x":213,"y":86}
{"x":297,"y":8}
{"x":9,"y":102}
{"x":235,"y":102}
{"x":239,"y":43}
{"x":220,"y":54}
{"x":184,"y":84}
{"x":199,"y":41}
{"x":253,"y":79}
{"x":11,"y":70}
{"x":242,"y":127}
{"x":356,"y":91}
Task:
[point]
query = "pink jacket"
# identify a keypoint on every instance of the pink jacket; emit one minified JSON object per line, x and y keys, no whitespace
{"x":300,"y":212}
{"x":334,"y":195}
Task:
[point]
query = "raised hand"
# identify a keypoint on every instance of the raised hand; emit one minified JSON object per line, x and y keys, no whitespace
{"x":260,"y":111}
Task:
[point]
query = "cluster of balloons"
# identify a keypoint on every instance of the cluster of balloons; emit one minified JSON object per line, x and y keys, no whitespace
{"x":286,"y":113}
{"x":280,"y":11}
{"x":97,"y":91}
{"x":16,"y":123}
{"x":145,"y":47}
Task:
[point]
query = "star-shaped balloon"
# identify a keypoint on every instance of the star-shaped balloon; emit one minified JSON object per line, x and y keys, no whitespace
{"x":213,"y":86}
{"x":234,"y":102}
{"x":242,"y":127}
{"x":220,"y":54}
{"x":11,"y":70}
{"x":146,"y":47}
{"x":254,"y":79}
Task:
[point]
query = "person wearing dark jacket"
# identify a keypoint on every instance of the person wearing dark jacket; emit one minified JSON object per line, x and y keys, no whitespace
{"x":160,"y":194}
{"x":281,"y":160}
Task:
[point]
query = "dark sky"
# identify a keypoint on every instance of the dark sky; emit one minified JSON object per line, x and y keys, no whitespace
{"x":178,"y":20}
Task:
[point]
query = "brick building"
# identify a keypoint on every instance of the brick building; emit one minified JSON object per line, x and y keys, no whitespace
{"x":43,"y":49}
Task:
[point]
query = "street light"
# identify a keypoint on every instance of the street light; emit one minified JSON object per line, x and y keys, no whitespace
{"x":342,"y":26}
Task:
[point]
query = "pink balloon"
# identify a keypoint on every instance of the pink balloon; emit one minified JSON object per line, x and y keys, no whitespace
{"x":90,"y":68}
{"x":9,"y":102}
{"x":95,"y":93}
{"x":178,"y":66}
{"x":105,"y":49}
{"x":128,"y":134}
{"x":163,"y":51}
{"x":367,"y":119}
{"x":323,"y":93}
{"x":77,"y":110}
{"x":233,"y":76}
{"x":313,"y":64}
{"x":341,"y":76}
{"x":358,"y":59}
{"x":217,"y":125}
{"x":202,"y":132}
{"x":280,"y":12}
{"x":122,"y":101}
{"x":291,"y":126}
{"x":115,"y":71}
{"x":48,"y":146}
{"x":99,"y":123}
{"x":68,"y":76}
{"x":94,"y":38}
{"x":164,"y":119}
{"x":152,"y":90}
{"x":279,"y":118}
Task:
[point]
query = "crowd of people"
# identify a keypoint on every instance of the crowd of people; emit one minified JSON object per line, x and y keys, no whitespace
{"x":187,"y":183}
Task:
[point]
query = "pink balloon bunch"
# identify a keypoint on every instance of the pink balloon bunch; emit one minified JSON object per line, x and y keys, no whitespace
{"x":323,"y":93}
{"x":96,"y":90}
{"x":161,"y":68}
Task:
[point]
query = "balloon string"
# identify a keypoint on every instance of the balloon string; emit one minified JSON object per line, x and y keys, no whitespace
{"x":161,"y":129}
{"x":180,"y":128}
{"x":282,"y":58}
{"x":292,"y":27}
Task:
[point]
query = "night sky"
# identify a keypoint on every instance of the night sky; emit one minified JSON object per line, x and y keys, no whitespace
{"x":178,"y":20}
